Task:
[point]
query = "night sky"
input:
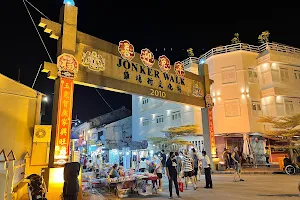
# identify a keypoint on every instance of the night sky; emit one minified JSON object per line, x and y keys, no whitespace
{"x":165,"y":27}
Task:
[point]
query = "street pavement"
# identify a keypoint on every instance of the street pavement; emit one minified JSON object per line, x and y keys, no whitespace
{"x":254,"y":187}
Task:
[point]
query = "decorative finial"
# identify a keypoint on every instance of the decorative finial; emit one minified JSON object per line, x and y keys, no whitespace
{"x":69,"y":2}
{"x":190,"y":52}
{"x":264,"y":37}
{"x":236,"y":39}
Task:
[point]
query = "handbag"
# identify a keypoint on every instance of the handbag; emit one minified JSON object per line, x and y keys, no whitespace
{"x":180,"y":186}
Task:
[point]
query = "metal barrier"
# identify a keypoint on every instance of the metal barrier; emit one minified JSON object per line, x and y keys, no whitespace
{"x":12,"y":173}
{"x":19,"y":172}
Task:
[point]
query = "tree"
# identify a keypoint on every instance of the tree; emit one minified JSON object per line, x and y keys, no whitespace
{"x":236,"y":39}
{"x":264,"y":37}
{"x":173,"y":134}
{"x":284,"y":128}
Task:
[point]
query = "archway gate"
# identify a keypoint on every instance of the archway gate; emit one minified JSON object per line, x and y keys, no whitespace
{"x":86,"y":60}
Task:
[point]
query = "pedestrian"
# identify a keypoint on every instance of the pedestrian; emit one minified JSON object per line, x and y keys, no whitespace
{"x":114,"y":172}
{"x":196,"y":165}
{"x":90,"y":166}
{"x":143,"y":165}
{"x":207,"y":170}
{"x":237,"y":164}
{"x":179,"y":164}
{"x":188,"y":168}
{"x":171,"y":173}
{"x":267,"y":154}
{"x":226,"y":158}
{"x":84,"y":163}
{"x":163,"y":160}
{"x":158,"y":171}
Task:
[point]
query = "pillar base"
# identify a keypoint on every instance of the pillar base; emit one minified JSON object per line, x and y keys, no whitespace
{"x":54,"y":178}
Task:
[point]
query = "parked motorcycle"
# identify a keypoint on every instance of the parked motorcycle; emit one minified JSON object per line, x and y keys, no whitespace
{"x":36,"y":187}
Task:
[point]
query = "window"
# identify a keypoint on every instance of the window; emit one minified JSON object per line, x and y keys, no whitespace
{"x":284,"y":75}
{"x":176,"y":115}
{"x":145,"y":122}
{"x":297,"y":75}
{"x":228,"y":75}
{"x":99,"y":135}
{"x":232,"y":108}
{"x":145,"y":101}
{"x":252,"y":73}
{"x":256,"y":108}
{"x":159,"y":119}
{"x":275,"y":75}
{"x":289,"y":107}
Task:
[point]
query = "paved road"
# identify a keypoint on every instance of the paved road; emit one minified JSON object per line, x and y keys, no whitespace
{"x":255,"y":187}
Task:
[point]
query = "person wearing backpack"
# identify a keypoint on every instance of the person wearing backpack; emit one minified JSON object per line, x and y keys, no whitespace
{"x":196,"y":164}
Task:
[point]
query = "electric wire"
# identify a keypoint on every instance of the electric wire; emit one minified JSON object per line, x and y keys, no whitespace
{"x":39,"y":37}
{"x":24,"y":1}
{"x":104,"y":100}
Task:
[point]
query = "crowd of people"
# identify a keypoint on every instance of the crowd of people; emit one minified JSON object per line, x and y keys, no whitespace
{"x":178,"y":166}
{"x":182,"y":167}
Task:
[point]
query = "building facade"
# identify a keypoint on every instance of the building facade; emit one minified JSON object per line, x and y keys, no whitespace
{"x":250,"y":82}
{"x":152,"y":116}
{"x":111,"y":131}
{"x":20,"y":111}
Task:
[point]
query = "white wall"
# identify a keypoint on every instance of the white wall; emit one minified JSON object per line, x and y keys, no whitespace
{"x":118,"y":134}
{"x":189,"y":115}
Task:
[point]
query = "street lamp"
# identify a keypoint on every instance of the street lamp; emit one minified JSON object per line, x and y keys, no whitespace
{"x":69,"y":2}
{"x":45,"y":99}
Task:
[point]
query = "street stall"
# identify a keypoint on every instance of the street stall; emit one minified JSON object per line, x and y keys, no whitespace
{"x":133,"y":183}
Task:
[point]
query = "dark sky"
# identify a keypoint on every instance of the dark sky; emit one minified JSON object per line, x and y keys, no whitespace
{"x":175,"y":25}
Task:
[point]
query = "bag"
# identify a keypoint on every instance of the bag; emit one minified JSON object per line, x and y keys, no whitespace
{"x":180,"y":186}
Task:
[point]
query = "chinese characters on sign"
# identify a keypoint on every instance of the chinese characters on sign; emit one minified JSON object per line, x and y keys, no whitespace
{"x":64,"y":120}
{"x":212,"y":132}
{"x":179,"y":68}
{"x":209,"y":101}
{"x":67,"y":66}
{"x":147,"y":57}
{"x":164,"y":63}
{"x":126,"y":50}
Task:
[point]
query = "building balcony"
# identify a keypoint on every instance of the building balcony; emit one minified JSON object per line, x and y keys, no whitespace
{"x":241,"y":47}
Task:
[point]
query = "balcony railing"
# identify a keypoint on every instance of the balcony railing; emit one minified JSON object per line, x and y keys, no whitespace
{"x":190,"y":60}
{"x":242,"y":47}
{"x":279,"y":47}
{"x":229,"y":48}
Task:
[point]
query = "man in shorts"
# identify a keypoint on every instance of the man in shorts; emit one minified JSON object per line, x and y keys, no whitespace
{"x":237,"y":165}
{"x":188,"y":169}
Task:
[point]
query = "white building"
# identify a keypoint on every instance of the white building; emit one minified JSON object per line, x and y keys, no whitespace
{"x":112,"y":130}
{"x":116,"y":135}
{"x":250,"y":82}
{"x":151,"y":116}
